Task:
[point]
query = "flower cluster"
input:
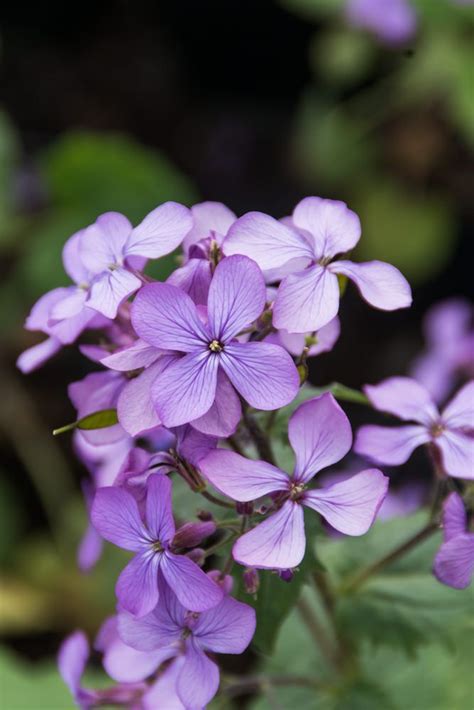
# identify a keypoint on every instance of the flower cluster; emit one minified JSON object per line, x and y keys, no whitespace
{"x":188,"y":370}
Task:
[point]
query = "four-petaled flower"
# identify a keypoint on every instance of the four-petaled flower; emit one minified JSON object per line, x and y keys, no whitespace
{"x":116,"y":516}
{"x":451,"y":432}
{"x":320,"y":435}
{"x":454,"y":562}
{"x":306,"y":246}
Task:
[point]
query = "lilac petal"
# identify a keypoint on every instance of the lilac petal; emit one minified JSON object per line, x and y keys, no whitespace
{"x":159,"y":516}
{"x":127,"y":665}
{"x":160,"y":232}
{"x":101,"y":244}
{"x":307,"y":300}
{"x":97,"y":391}
{"x":90,"y":549}
{"x":110,"y":289}
{"x":224,"y":415}
{"x":454,"y":517}
{"x":132,"y":357}
{"x":70,"y":305}
{"x":457,"y":452}
{"x":72,"y":262}
{"x":459,"y":413}
{"x":194,"y":278}
{"x":392,"y":22}
{"x":269,"y":242}
{"x":193,"y":588}
{"x":210,"y":219}
{"x":162,"y":692}
{"x":454,"y":562}
{"x":69,"y":329}
{"x":166,"y":317}
{"x":115,"y":516}
{"x":135,"y":407}
{"x":263,"y":374}
{"x":434,"y":373}
{"x":389,"y":445}
{"x":198,"y":680}
{"x":192,"y":445}
{"x":325,"y":338}
{"x":32,"y":358}
{"x":447,"y":322}
{"x":38,"y":318}
{"x":240,"y":478}
{"x":137,"y":586}
{"x":332,"y":227}
{"x":277,"y":543}
{"x":380,"y":284}
{"x":161,"y":628}
{"x":186,"y":389}
{"x":227,"y":628}
{"x":72,"y":659}
{"x":320,"y":435}
{"x":236,"y":296}
{"x":350,"y":506}
{"x":403,"y":397}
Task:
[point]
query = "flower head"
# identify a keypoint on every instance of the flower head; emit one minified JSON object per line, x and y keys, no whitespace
{"x":454,"y":562}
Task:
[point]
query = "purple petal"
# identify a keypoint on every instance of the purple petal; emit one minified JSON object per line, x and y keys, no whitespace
{"x":72,"y":659}
{"x":70,"y":305}
{"x":447,"y":322}
{"x":350,"y":506}
{"x":159,"y":516}
{"x":307,"y":300}
{"x":236,"y":297}
{"x":194,"y":278}
{"x":389,"y":445}
{"x":115,"y":516}
{"x":186,"y":389}
{"x":269,"y":242}
{"x":263,"y":374}
{"x":101,"y":244}
{"x":240,"y":478}
{"x":32,"y":358}
{"x":405,"y":398}
{"x":163,"y":693}
{"x":320,"y":435}
{"x":72,"y":262}
{"x":454,"y":517}
{"x":127,"y":665}
{"x":393,"y":22}
{"x":325,"y":338}
{"x":90,"y":549}
{"x":192,"y":445}
{"x":332,"y":227}
{"x":194,"y":589}
{"x":198,"y":680}
{"x":434,"y":373}
{"x":454,"y":563}
{"x":69,"y":329}
{"x":137,"y":585}
{"x":209,"y":218}
{"x":162,"y":627}
{"x":223,"y":417}
{"x":457,"y":452}
{"x":160,"y":232}
{"x":38,"y":318}
{"x":277,"y":543}
{"x":380,"y":284}
{"x":166,"y":317}
{"x":110,"y":289}
{"x":227,"y":628}
{"x":97,"y":391}
{"x":132,"y":357}
{"x":459,"y":413}
{"x":135,"y":407}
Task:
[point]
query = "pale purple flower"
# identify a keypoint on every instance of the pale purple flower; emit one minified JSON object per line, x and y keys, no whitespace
{"x":449,"y":335}
{"x":392,"y":21}
{"x":72,"y":659}
{"x":96,"y":392}
{"x":454,"y":562}
{"x":320,"y":435}
{"x":116,"y":516}
{"x":167,"y":318}
{"x":319,"y":231}
{"x":111,"y":249}
{"x":318,"y":343}
{"x":451,"y":432}
{"x":227,"y":628}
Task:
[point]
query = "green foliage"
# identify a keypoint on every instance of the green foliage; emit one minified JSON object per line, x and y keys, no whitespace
{"x":97,"y":420}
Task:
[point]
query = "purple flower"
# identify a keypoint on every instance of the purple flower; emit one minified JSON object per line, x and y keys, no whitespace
{"x":451,"y":432}
{"x":111,"y":249}
{"x":320,"y":435}
{"x":454,"y":562}
{"x":227,"y":628}
{"x":166,"y":317}
{"x":308,"y":298}
{"x":98,"y":391}
{"x":116,"y":516}
{"x":318,"y":343}
{"x":392,"y":21}
{"x":450,"y":347}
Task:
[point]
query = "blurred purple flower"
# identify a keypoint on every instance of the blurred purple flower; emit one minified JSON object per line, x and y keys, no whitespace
{"x":308,"y":298}
{"x":451,"y":432}
{"x":320,"y":435}
{"x":318,"y":343}
{"x":454,"y":562}
{"x":392,"y":21}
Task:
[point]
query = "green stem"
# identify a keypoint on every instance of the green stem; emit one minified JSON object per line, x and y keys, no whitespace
{"x":257,"y":435}
{"x":217,"y":501}
{"x":318,"y":633}
{"x":234,"y":685}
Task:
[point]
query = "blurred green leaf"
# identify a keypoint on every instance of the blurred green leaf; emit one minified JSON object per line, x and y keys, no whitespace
{"x":97,"y":420}
{"x":28,"y":686}
{"x":341,"y":57}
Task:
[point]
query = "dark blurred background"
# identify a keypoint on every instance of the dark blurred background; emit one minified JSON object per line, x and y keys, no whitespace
{"x":121,"y":105}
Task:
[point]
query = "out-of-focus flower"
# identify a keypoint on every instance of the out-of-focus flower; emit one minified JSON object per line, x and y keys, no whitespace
{"x":454,"y":562}
{"x":392,"y":21}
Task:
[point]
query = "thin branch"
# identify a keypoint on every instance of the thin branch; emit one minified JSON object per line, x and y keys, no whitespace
{"x":217,"y":501}
{"x":258,"y":436}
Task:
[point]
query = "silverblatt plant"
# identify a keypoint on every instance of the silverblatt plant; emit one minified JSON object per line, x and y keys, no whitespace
{"x":201,"y":382}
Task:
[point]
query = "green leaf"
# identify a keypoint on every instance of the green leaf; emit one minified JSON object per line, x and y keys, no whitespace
{"x":98,"y":420}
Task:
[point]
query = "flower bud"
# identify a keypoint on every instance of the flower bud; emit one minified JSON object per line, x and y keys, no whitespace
{"x":286,"y":575}
{"x":198,"y":555}
{"x":191,"y":534}
{"x":251,"y":580}
{"x":226,"y":581}
{"x":204,"y":515}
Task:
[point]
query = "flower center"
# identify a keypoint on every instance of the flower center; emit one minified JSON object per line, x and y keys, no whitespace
{"x":215,"y":346}
{"x":157,"y":546}
{"x":296,"y":491}
{"x":436,"y":430}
